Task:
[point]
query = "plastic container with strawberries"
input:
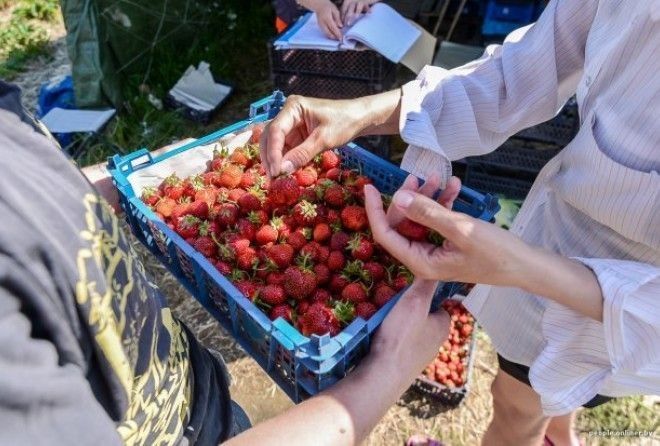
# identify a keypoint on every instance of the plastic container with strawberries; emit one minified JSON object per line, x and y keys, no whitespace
{"x":235,"y":264}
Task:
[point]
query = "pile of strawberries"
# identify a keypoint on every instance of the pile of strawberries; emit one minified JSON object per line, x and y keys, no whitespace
{"x":449,"y":368}
{"x":298,"y":246}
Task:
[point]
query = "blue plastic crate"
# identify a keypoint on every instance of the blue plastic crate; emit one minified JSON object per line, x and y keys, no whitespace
{"x":301,"y":366}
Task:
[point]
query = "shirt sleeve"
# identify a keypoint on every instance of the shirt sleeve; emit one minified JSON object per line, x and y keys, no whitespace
{"x":471,"y":110}
{"x":623,"y":349}
{"x":42,"y":400}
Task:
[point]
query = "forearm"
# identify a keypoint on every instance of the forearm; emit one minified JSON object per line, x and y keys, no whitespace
{"x":100,"y":179}
{"x":343,"y":415}
{"x":567,"y":282}
{"x":379,"y":114}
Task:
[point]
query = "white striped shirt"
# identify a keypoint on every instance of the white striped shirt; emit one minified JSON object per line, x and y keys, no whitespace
{"x":597,"y":201}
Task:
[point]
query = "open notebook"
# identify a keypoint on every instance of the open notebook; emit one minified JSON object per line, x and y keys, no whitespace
{"x":382,"y":29}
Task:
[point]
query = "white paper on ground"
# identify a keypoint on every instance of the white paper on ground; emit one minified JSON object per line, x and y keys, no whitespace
{"x":197,"y":89}
{"x":60,"y":120}
{"x":184,"y":164}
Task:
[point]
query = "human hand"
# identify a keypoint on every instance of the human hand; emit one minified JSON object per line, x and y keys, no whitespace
{"x":351,"y":9}
{"x":410,"y":336}
{"x":304,"y":128}
{"x":473,"y":251}
{"x":328,"y":16}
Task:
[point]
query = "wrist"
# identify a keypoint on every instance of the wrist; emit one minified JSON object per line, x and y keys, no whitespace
{"x":379,"y":114}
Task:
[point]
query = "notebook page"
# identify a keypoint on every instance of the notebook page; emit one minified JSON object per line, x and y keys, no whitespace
{"x":384,"y":30}
{"x":311,"y":36}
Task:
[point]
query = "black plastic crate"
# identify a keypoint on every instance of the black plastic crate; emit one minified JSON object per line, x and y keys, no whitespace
{"x":364,"y":65}
{"x":559,"y":130}
{"x":478,"y":177}
{"x":518,"y":156}
{"x":407,"y":8}
{"x":330,"y":87}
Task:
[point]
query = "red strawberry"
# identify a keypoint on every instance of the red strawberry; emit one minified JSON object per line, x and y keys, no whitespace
{"x":206,"y":246}
{"x":275,"y":278}
{"x":246,"y":229}
{"x":305,"y":213}
{"x":258,"y":218}
{"x":335,"y":196}
{"x":375,"y":271}
{"x":333,"y":219}
{"x":322,"y":296}
{"x":306,"y":176}
{"x":199,"y":209}
{"x":354,"y":292}
{"x":188,"y":226}
{"x":172,"y":187}
{"x":239,"y":157}
{"x":299,"y":282}
{"x":238,"y":244}
{"x":365,"y":310}
{"x":302,"y":307}
{"x":323,"y":252}
{"x":382,"y":295}
{"x":361,"y":248}
{"x":230,"y":175}
{"x":150,"y":196}
{"x":227,"y":215}
{"x":297,"y":240}
{"x":333,"y":174}
{"x":322,"y":273}
{"x":248,"y":179}
{"x":248,"y":288}
{"x":401,"y":281}
{"x":273,"y":295}
{"x":311,"y":250}
{"x":412,"y":230}
{"x":266,"y":234}
{"x":339,"y":241}
{"x":284,"y":311}
{"x":257,"y":130}
{"x":336,"y":261}
{"x":329,"y":160}
{"x":235,"y":194}
{"x":165,"y":206}
{"x":337,"y":283}
{"x":319,"y":319}
{"x":208,"y":195}
{"x":223,"y":267}
{"x":354,"y":218}
{"x":284,"y":191}
{"x":249,"y":202}
{"x":281,"y":255}
{"x":247,"y":259}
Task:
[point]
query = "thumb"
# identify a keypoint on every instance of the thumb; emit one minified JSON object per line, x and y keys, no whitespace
{"x":299,"y":155}
{"x":429,"y":213}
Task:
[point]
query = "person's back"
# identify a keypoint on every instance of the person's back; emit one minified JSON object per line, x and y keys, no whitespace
{"x":90,"y":352}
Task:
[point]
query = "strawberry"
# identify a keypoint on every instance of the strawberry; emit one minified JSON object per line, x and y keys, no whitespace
{"x":247,"y":259}
{"x":258,"y":218}
{"x":311,"y":250}
{"x":172,"y":187}
{"x":208,"y":195}
{"x":227,"y":215}
{"x":382,"y":295}
{"x":165,"y":206}
{"x":297,"y":240}
{"x":333,"y":174}
{"x":322,"y":254}
{"x":336,"y":261}
{"x":319,"y":319}
{"x":257,"y":130}
{"x":329,"y":160}
{"x":361,"y":248}
{"x":375,"y":272}
{"x":302,"y":307}
{"x":235,"y":194}
{"x":192,"y":185}
{"x":354,"y":218}
{"x":223,"y":267}
{"x":335,"y":196}
{"x":247,"y":288}
{"x":188,"y":226}
{"x":272,"y":295}
{"x":354,"y":292}
{"x":275,"y":278}
{"x":306,"y":176}
{"x":284,"y":311}
{"x":299,"y":282}
{"x":401,"y":281}
{"x":281,"y":255}
{"x":305,"y":213}
{"x":266,"y":234}
{"x":249,"y":202}
{"x":309,"y":194}
{"x":239,"y":157}
{"x":246,"y":229}
{"x":337,"y":283}
{"x":333,"y":219}
{"x":339,"y":241}
{"x":248,"y":179}
{"x":206,"y":246}
{"x":150,"y":196}
{"x":284,"y":191}
{"x":412,"y":230}
{"x":365,"y":310}
{"x":322,"y":296}
{"x":199,"y":209}
{"x":230,"y":175}
{"x":322,"y":273}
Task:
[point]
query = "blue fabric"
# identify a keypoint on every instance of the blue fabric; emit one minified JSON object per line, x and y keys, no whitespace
{"x":58,"y":95}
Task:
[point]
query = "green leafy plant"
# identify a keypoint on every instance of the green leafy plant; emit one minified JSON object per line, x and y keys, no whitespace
{"x":45,"y":10}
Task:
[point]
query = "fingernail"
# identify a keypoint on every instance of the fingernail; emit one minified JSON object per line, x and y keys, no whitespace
{"x":287,"y":167}
{"x":403,"y":199}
